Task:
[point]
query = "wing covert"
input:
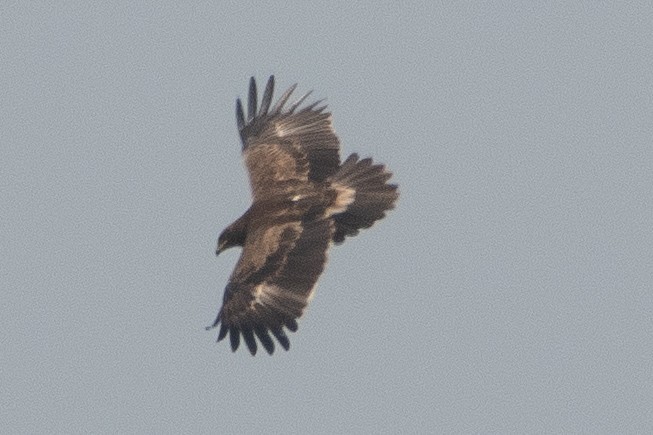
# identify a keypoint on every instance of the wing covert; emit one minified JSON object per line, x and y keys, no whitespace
{"x":285,"y":147}
{"x":273,"y":282}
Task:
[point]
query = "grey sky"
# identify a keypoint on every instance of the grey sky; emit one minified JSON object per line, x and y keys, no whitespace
{"x":510,"y":291}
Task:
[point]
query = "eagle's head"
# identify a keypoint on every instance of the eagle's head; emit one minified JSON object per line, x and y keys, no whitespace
{"x":225,"y":241}
{"x":233,"y":235}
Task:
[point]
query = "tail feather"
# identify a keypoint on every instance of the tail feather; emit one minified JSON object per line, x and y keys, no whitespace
{"x":373,"y":196}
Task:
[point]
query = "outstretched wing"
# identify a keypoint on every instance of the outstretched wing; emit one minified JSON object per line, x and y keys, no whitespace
{"x":273,"y":282}
{"x":285,"y":147}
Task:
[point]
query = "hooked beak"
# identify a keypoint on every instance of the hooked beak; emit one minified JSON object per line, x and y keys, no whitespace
{"x":221,"y":247}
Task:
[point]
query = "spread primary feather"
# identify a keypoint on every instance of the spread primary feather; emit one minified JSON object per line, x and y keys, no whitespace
{"x":303,"y":199}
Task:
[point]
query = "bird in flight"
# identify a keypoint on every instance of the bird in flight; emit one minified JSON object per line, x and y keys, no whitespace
{"x":303,"y":198}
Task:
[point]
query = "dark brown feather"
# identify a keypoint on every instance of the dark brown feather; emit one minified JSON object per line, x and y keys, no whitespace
{"x":283,"y":148}
{"x":303,"y":199}
{"x":373,"y":196}
{"x":273,"y":281}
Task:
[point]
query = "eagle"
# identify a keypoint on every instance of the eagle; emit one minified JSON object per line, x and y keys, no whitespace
{"x":303,"y":199}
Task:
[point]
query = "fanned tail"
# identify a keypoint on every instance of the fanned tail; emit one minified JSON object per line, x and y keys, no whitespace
{"x":372,"y":195}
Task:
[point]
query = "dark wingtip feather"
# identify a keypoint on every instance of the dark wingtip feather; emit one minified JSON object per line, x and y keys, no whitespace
{"x":281,"y":337}
{"x":312,"y":106}
{"x":240,"y":115}
{"x":223,"y":332}
{"x":248,"y":335}
{"x":265,"y":339}
{"x":299,"y":101}
{"x":234,"y":338}
{"x":252,"y":101}
{"x":215,"y":322}
{"x":291,"y":325}
{"x":267,"y":97}
{"x":278,"y":107}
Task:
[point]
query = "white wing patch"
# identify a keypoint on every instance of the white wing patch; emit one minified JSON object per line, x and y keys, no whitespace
{"x":345,"y":195}
{"x":268,"y":295}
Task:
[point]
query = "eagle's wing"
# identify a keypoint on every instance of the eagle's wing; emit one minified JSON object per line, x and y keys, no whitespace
{"x":285,"y":147}
{"x":273,"y":282}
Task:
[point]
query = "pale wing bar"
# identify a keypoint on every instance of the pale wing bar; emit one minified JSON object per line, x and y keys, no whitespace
{"x":272,"y":296}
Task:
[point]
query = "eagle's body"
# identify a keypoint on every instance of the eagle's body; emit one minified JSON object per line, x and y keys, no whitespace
{"x":303,"y":199}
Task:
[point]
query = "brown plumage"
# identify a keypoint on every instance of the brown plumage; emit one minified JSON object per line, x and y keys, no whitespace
{"x":303,"y":199}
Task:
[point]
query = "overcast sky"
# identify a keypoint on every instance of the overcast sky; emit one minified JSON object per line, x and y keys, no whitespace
{"x":510,"y":290}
